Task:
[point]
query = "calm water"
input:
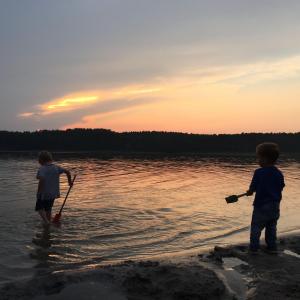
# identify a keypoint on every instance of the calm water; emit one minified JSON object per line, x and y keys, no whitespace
{"x":129,"y":209}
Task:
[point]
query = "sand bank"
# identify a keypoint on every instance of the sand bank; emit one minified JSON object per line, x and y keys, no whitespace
{"x":224,"y":273}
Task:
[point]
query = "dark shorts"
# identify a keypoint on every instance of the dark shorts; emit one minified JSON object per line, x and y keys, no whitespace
{"x":45,"y":204}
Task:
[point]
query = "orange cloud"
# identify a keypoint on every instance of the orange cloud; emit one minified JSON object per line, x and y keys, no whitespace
{"x":82,"y":100}
{"x":67,"y":104}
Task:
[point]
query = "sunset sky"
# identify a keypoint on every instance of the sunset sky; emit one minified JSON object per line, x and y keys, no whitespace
{"x":130,"y":65}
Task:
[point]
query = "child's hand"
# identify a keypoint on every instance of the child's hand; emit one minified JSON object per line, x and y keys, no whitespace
{"x":249,"y":193}
{"x":68,"y":173}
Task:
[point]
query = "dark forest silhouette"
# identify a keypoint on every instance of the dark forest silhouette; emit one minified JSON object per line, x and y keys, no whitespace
{"x":146,"y":141}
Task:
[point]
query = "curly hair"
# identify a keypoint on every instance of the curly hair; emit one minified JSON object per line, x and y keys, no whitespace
{"x":268,"y":151}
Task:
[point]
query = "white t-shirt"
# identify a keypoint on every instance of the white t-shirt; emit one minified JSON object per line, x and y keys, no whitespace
{"x":50,"y":174}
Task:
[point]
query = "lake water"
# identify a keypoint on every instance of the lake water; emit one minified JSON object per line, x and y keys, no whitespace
{"x":124,"y":209}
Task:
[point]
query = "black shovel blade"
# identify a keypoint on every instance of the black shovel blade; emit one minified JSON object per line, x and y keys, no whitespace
{"x":232,"y":199}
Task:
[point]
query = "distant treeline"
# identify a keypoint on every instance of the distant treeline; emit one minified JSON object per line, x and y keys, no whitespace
{"x":146,"y":141}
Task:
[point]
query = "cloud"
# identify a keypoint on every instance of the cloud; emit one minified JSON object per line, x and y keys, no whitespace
{"x":67,"y":103}
{"x":26,"y":114}
{"x":110,"y":109}
{"x":83,"y":100}
{"x":247,"y":74}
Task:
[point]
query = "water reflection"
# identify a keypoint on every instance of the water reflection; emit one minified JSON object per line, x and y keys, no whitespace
{"x":42,"y":251}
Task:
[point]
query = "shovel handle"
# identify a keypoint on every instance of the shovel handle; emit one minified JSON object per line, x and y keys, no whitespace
{"x":67,"y":194}
{"x":242,"y":195}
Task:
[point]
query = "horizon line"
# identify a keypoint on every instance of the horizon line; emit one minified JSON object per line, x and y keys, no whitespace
{"x":151,"y":131}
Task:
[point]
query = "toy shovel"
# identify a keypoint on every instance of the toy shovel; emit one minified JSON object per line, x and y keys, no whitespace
{"x":234,"y":198}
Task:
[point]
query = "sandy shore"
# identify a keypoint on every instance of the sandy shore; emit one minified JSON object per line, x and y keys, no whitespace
{"x":224,"y":273}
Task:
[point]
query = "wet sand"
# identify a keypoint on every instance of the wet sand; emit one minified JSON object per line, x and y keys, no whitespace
{"x":264,"y":276}
{"x":224,"y":273}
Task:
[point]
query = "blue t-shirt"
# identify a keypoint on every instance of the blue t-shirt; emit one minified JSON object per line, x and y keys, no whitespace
{"x":267,"y":183}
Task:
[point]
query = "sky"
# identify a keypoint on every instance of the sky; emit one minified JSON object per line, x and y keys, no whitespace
{"x":169,"y":65}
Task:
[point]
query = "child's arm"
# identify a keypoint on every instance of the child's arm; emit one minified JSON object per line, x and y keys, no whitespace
{"x":250,"y":192}
{"x":253,"y":184}
{"x":68,"y":173}
{"x":40,"y":178}
{"x":40,"y":186}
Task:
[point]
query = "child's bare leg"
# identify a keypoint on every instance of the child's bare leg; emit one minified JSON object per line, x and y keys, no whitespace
{"x":43,"y":215}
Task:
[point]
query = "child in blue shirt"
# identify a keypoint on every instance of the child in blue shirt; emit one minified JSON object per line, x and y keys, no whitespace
{"x":267,"y":184}
{"x":48,"y":187}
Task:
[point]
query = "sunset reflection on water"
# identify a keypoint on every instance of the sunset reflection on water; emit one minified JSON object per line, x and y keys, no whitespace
{"x":124,"y":209}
